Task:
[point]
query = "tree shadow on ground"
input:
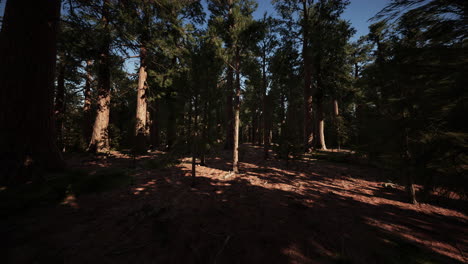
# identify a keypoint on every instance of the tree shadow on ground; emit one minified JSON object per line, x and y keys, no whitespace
{"x":257,"y":217}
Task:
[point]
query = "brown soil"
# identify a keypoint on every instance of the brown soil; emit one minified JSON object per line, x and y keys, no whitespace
{"x":311,"y":212}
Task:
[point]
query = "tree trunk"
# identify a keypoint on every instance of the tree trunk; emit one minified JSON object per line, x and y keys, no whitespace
{"x":205,"y":128}
{"x":229,"y":110}
{"x":336,"y":111}
{"x":87,"y":115}
{"x":254,"y":127}
{"x":154,"y":128}
{"x":141,"y":108}
{"x":27,"y":72}
{"x":308,"y":118}
{"x":260,"y":129}
{"x":321,"y":124}
{"x":100,"y":136}
{"x":194,"y":135}
{"x":336,"y":116}
{"x":266,"y":131}
{"x":60,"y":101}
{"x":235,"y":159}
{"x":171,"y":124}
{"x":410,"y":188}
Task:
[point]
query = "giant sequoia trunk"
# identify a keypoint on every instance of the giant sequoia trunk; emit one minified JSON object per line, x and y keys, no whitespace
{"x":27,"y":68}
{"x":235,"y":158}
{"x":100,"y":136}
{"x":141,"y":131}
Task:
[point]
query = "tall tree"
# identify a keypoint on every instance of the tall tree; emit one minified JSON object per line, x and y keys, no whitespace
{"x":329,"y":37}
{"x":100,"y":136}
{"x":299,"y":13}
{"x":236,"y":17}
{"x":267,"y":47}
{"x":27,"y":70}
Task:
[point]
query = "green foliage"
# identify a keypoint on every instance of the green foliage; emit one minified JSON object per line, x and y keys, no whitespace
{"x":414,"y":96}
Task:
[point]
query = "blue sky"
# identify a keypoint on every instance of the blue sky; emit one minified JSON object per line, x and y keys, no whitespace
{"x":358,"y":12}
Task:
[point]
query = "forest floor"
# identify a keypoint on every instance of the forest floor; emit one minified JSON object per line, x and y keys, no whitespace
{"x":311,"y":211}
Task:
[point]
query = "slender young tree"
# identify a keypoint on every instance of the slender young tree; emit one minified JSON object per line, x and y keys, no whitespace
{"x":236,"y":17}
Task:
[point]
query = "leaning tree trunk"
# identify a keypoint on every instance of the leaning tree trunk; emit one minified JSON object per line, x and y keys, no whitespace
{"x":235,"y":158}
{"x":141,"y":108}
{"x":27,"y":68}
{"x":100,"y":136}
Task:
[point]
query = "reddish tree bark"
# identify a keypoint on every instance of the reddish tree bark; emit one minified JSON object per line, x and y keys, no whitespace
{"x":27,"y":71}
{"x":100,"y":136}
{"x":141,"y":131}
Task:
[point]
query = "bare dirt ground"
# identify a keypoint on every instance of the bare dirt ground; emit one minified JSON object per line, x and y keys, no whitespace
{"x":310,"y":212}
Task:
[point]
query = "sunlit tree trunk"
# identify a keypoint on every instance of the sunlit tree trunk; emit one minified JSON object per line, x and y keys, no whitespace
{"x":321,"y":124}
{"x":141,"y":108}
{"x":100,"y":136}
{"x":27,"y":72}
{"x":336,"y":116}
